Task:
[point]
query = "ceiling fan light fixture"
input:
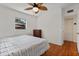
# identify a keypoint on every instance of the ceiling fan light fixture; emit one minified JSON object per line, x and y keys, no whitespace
{"x":35,"y":9}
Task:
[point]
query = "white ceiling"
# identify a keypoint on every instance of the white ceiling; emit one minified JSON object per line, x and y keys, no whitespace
{"x":21,"y":6}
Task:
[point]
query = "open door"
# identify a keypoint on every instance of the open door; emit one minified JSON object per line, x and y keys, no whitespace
{"x":70,"y":29}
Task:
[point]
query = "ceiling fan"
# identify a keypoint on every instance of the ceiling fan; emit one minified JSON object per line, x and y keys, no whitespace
{"x":36,"y":7}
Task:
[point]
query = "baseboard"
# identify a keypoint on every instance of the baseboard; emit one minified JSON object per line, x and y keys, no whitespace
{"x":56,"y":44}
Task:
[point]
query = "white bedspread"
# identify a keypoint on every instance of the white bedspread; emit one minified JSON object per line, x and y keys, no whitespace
{"x":23,"y":46}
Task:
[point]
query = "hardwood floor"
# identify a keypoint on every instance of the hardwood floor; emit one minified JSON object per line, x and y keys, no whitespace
{"x":67,"y":49}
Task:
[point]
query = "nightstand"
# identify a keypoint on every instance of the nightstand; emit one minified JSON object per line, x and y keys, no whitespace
{"x":37,"y":33}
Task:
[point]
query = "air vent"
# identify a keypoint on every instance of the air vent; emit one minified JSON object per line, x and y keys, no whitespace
{"x":69,"y":11}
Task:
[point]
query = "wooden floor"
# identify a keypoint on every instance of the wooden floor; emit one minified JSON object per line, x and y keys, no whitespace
{"x":67,"y":49}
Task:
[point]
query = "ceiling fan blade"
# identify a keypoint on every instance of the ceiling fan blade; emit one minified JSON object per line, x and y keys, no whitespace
{"x":31,"y":4}
{"x":42,"y":8}
{"x":39,"y":3}
{"x":29,"y":8}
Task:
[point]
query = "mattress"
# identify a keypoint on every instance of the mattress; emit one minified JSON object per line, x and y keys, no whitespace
{"x":23,"y":46}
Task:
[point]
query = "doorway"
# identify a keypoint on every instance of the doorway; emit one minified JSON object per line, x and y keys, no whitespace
{"x":70,"y":28}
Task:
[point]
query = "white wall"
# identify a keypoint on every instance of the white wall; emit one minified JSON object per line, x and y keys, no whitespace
{"x":51,"y":24}
{"x":7,"y":22}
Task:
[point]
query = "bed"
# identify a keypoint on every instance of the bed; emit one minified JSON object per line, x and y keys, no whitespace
{"x":23,"y":45}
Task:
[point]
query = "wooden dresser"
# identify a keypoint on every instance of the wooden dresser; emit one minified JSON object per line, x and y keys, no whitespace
{"x":37,"y":33}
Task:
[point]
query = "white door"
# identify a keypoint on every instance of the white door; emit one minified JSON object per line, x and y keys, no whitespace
{"x":69,"y":29}
{"x":78,"y":33}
